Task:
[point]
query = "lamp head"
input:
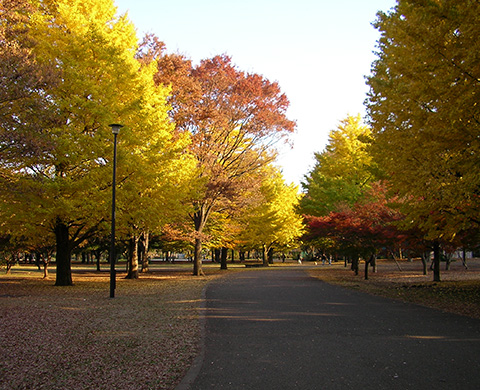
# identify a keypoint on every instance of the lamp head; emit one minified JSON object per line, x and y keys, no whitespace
{"x":116,"y":128}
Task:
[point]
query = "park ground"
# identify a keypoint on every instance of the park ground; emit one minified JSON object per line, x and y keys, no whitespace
{"x":147,"y":336}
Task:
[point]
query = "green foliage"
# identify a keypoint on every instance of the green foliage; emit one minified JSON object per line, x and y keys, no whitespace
{"x":342,"y":172}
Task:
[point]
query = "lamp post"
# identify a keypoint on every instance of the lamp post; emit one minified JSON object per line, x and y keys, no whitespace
{"x":115,"y":130}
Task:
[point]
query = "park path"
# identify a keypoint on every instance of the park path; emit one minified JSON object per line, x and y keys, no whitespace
{"x":281,"y":329}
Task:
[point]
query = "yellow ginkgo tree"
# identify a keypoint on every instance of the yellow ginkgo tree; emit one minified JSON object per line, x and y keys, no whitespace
{"x":65,"y":187}
{"x":424,"y":111}
{"x":273,"y":222}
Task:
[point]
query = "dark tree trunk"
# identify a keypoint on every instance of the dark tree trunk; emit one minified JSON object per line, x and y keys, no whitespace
{"x":241,"y":256}
{"x":98,"y":255}
{"x":464,"y":259}
{"x":223,"y":258}
{"x":270,"y":255}
{"x":217,"y":257}
{"x":63,"y":260}
{"x":355,"y":261}
{"x":37,"y":260}
{"x":197,"y":259}
{"x":233,"y":255}
{"x":369,"y":262}
{"x":436,"y":261}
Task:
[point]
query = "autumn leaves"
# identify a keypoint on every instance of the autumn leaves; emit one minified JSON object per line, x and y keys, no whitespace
{"x":196,"y":151}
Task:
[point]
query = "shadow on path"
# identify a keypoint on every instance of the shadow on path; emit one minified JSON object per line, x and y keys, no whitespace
{"x":281,"y":329}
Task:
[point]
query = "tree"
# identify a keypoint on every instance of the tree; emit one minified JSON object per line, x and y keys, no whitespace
{"x":63,"y":187}
{"x":273,"y":222}
{"x":234,"y":118}
{"x":22,"y":81}
{"x":360,"y":231}
{"x":424,"y":112}
{"x":342,"y":172}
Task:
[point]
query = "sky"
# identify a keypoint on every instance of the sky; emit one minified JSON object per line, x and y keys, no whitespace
{"x":319,"y":51}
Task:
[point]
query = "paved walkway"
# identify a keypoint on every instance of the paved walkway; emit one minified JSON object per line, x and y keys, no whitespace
{"x":281,"y":329}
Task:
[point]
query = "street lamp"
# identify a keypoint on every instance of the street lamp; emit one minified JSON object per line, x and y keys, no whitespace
{"x":115,"y":130}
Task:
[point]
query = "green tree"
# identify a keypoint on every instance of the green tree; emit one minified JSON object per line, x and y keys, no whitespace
{"x":342,"y":172}
{"x":424,"y":112}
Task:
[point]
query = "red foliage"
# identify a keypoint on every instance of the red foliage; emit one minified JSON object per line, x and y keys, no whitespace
{"x":364,"y":229}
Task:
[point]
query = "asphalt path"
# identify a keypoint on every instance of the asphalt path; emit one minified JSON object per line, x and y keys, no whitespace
{"x":281,"y":329}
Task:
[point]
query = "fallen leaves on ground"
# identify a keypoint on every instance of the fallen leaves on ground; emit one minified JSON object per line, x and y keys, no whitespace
{"x":458,"y":292}
{"x":78,"y":338}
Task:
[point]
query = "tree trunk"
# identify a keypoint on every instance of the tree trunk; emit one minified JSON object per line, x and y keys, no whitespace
{"x":464,"y":259}
{"x":37,"y":260}
{"x":264,"y":255}
{"x":133,"y":258}
{"x":241,"y":256}
{"x":45,"y":270}
{"x":270,"y":255}
{"x":425,"y":256}
{"x":144,"y":251}
{"x":98,"y":255}
{"x":370,"y":261}
{"x":233,"y":255}
{"x":199,"y":219}
{"x":197,"y":258}
{"x":217,"y":255}
{"x":355,"y":261}
{"x":63,"y":260}
{"x":436,"y":261}
{"x":223,"y":258}
{"x":396,"y":261}
{"x":448,"y":262}
{"x":11,"y":262}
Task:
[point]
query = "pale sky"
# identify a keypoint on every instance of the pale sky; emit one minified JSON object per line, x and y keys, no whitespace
{"x":319,"y":51}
